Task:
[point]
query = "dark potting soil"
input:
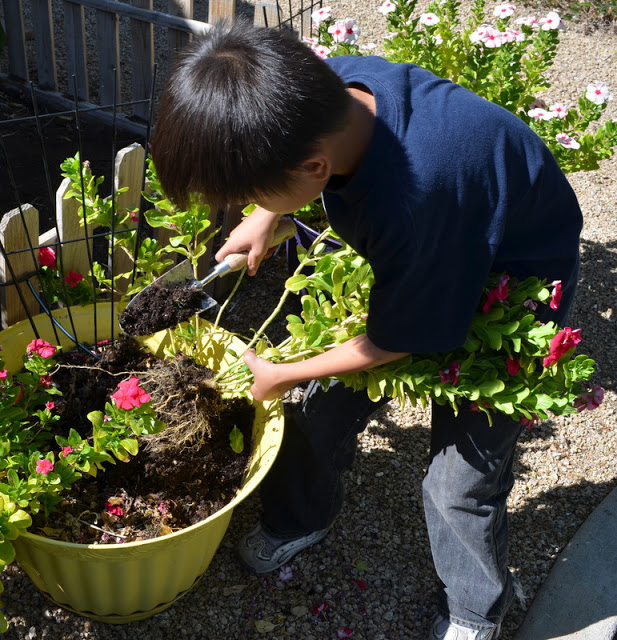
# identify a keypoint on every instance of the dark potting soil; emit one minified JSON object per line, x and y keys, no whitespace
{"x":160,"y":307}
{"x":165,"y":487}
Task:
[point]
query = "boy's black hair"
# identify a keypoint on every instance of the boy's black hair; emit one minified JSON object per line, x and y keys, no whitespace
{"x":243,"y":107}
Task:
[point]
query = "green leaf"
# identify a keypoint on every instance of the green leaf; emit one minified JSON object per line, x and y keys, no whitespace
{"x":296,"y":283}
{"x":7,"y":552}
{"x":491,"y":387}
{"x":236,"y":440}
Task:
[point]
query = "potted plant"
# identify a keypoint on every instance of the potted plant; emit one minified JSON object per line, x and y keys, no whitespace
{"x":117,"y":582}
{"x":510,"y":363}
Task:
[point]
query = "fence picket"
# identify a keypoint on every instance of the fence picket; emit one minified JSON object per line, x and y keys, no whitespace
{"x":108,"y":45}
{"x":44,"y":41}
{"x":17,"y":234}
{"x":76,"y":56}
{"x":75,"y":254}
{"x":178,"y":39}
{"x":143,"y":61}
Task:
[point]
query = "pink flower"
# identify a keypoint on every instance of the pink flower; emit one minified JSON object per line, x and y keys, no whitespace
{"x":114,"y":510}
{"x":387,"y":7}
{"x":73,"y":278}
{"x":49,"y":405}
{"x":65,"y":451}
{"x":44,"y":466}
{"x":528,"y":422}
{"x":320,"y":15}
{"x":565,"y":340}
{"x":134,"y":216}
{"x":345,"y":31}
{"x":528,"y":21}
{"x":3,"y":374}
{"x":566,"y":141}
{"x":556,"y":295}
{"x":450,"y":374}
{"x":47,"y":257}
{"x":322,"y":51}
{"x":540,"y":114}
{"x":479,"y":33}
{"x":590,"y":400}
{"x":598,"y":93}
{"x":513,"y":366}
{"x":429,"y":19}
{"x":504,"y":10}
{"x":41,"y":348}
{"x":492,"y":38}
{"x":510,"y":35}
{"x":45,"y":381}
{"x":560,"y":110}
{"x":500,"y":292}
{"x":552,"y":21}
{"x":344,"y":633}
{"x":130,"y":394}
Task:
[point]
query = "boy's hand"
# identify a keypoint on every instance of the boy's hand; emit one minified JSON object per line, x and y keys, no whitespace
{"x":253,"y":235}
{"x":265,"y":386}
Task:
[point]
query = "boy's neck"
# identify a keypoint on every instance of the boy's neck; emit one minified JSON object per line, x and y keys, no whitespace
{"x":351,"y":145}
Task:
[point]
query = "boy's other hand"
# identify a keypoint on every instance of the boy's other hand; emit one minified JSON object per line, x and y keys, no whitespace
{"x":253,"y":236}
{"x":266,"y":385}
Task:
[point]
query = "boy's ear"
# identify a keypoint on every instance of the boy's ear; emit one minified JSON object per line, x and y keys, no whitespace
{"x":317,"y":166}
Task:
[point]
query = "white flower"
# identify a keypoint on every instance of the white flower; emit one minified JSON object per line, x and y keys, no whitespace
{"x":312,"y":42}
{"x":387,"y":7}
{"x":492,"y":38}
{"x":566,"y":141}
{"x":429,"y":19}
{"x":345,"y":31}
{"x":504,"y":10}
{"x":559,"y":110}
{"x":540,"y":114}
{"x":510,"y":35}
{"x":437,"y":39}
{"x":321,"y":14}
{"x":538,"y":103}
{"x":598,"y":93}
{"x":479,"y":33}
{"x":528,"y":21}
{"x":552,"y":21}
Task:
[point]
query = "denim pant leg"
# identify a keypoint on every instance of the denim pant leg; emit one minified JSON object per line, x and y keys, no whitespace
{"x":303,"y":492}
{"x":465,"y":492}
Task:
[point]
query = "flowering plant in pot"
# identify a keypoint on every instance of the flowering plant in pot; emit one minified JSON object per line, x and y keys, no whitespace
{"x":48,"y":457}
{"x":510,"y":363}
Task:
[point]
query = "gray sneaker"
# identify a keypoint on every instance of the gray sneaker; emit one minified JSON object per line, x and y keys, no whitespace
{"x":443,"y":629}
{"x":263,"y":553}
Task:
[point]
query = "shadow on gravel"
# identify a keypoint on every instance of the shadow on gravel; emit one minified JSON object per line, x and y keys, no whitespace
{"x":595,"y":308}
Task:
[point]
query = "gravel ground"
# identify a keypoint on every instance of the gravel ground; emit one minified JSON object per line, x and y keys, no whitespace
{"x":564,"y":467}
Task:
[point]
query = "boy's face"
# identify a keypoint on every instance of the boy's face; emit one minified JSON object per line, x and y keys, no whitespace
{"x":307,"y":184}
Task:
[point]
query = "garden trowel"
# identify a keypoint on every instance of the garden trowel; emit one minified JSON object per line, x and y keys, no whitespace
{"x":176,"y":295}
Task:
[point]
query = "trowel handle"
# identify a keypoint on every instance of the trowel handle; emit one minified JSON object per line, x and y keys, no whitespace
{"x":285,"y":230}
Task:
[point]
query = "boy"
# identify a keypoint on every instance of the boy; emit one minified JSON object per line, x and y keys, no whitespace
{"x":435,"y":187}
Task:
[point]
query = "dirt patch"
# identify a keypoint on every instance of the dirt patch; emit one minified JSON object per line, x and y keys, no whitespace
{"x":175,"y":480}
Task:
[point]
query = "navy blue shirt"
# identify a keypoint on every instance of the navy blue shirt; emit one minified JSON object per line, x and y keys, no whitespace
{"x":451,"y":188}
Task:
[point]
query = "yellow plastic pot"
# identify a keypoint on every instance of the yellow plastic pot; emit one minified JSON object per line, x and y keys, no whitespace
{"x":119,"y":583}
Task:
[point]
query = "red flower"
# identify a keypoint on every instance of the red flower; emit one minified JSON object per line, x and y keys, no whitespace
{"x":47,"y":257}
{"x":556,"y":295}
{"x":73,"y":279}
{"x":3,"y":374}
{"x":115,"y":510}
{"x":320,"y":608}
{"x":44,"y":466}
{"x":41,"y":348}
{"x":451,"y":374}
{"x":49,"y":405}
{"x":500,"y":292}
{"x":565,"y":340}
{"x":66,"y":450}
{"x":528,"y":422}
{"x":513,"y":366}
{"x":130,"y":394}
{"x":45,"y":381}
{"x":590,"y":400}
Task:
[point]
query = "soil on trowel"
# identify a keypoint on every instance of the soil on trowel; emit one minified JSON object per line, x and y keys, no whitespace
{"x":160,"y":307}
{"x":178,"y":478}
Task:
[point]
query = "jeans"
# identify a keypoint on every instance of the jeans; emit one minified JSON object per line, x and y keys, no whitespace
{"x":465,"y":491}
